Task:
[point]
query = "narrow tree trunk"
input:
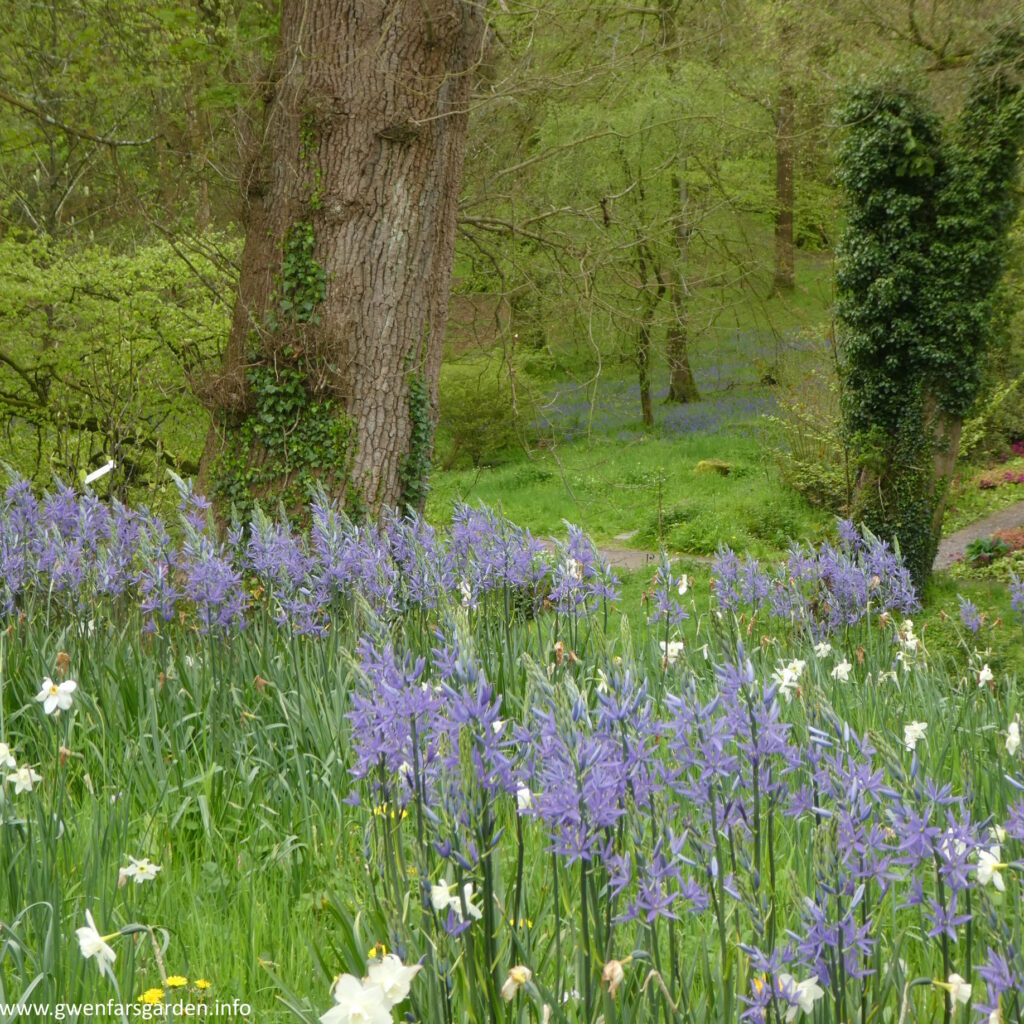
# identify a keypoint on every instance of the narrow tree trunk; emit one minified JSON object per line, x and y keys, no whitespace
{"x":361,"y":156}
{"x":681,"y":384}
{"x":643,"y":364}
{"x":784,"y":276}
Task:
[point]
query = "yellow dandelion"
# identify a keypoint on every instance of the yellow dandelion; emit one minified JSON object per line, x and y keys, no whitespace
{"x":176,"y":981}
{"x":202,"y":983}
{"x":152,"y":995}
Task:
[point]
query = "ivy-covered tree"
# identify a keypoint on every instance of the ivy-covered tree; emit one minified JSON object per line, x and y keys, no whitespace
{"x":929,"y":215}
{"x":332,"y":365}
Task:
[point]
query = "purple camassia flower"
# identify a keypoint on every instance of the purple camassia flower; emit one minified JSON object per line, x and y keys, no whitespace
{"x":969,"y":614}
{"x":830,"y":587}
{"x":487,"y":553}
{"x":582,"y":579}
{"x":212,"y":583}
{"x":1000,"y":980}
{"x":1017,"y":595}
{"x":667,"y":607}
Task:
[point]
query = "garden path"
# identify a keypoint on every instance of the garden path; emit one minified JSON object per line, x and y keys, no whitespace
{"x":951,"y":548}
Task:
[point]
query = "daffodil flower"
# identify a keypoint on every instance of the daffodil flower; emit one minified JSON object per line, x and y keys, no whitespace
{"x":913,"y":732}
{"x":985,"y":676}
{"x":24,"y":779}
{"x":138,"y":870}
{"x":670,"y":651}
{"x":806,"y":992}
{"x":442,"y":898}
{"x":957,"y":988}
{"x":357,"y":1002}
{"x":518,"y":976}
{"x":392,"y":977}
{"x":94,"y":945}
{"x":56,"y":696}
{"x":6,"y":757}
{"x":842,"y":671}
{"x":1013,"y":737}
{"x":989,"y":866}
{"x":823,"y":649}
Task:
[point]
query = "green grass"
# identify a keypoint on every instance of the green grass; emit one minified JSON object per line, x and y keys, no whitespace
{"x":612,"y":488}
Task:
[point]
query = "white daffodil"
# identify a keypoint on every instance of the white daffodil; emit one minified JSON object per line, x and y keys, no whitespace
{"x":1013,"y":737}
{"x":822,"y":650}
{"x":786,"y":677}
{"x":985,"y":676}
{"x":842,"y":671}
{"x":958,"y":989}
{"x":56,"y":696}
{"x":681,"y":588}
{"x":392,"y":977}
{"x":138,"y":870}
{"x":6,"y":757}
{"x":989,"y":867}
{"x":912,"y":732}
{"x":807,"y":992}
{"x":24,"y":779}
{"x":92,"y":944}
{"x":466,"y":591}
{"x":573,"y":569}
{"x":442,"y":898}
{"x":518,"y":976}
{"x":440,"y":895}
{"x":356,"y":1002}
{"x":670,"y":651}
{"x":524,"y":798}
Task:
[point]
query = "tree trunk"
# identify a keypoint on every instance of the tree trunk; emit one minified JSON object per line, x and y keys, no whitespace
{"x":946,"y":431}
{"x":643,"y":364}
{"x":784,"y":279}
{"x":350,"y":236}
{"x":682,"y":387}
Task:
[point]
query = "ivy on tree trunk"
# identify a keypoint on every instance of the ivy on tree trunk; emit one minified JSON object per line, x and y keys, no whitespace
{"x":929,"y":214}
{"x":361,"y":159}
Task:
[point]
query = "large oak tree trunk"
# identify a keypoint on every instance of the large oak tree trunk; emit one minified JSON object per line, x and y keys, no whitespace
{"x":364,"y":140}
{"x":784,"y":277}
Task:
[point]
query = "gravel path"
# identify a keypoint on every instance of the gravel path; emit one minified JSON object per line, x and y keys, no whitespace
{"x":952,"y":548}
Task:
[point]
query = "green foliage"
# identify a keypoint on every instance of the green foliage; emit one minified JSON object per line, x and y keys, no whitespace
{"x":97,"y":348}
{"x":984,"y":550}
{"x":415,"y":469}
{"x":303,"y":282}
{"x":287,"y":442}
{"x":924,"y":250}
{"x":478,"y":421}
{"x":290,"y":437}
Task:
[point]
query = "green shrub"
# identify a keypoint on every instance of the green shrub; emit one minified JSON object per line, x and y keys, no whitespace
{"x":481,"y":421}
{"x":804,"y":437}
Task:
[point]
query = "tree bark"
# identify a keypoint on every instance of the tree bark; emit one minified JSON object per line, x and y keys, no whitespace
{"x":784,"y":278}
{"x":643,"y":366}
{"x":364,"y":140}
{"x":682,"y":387}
